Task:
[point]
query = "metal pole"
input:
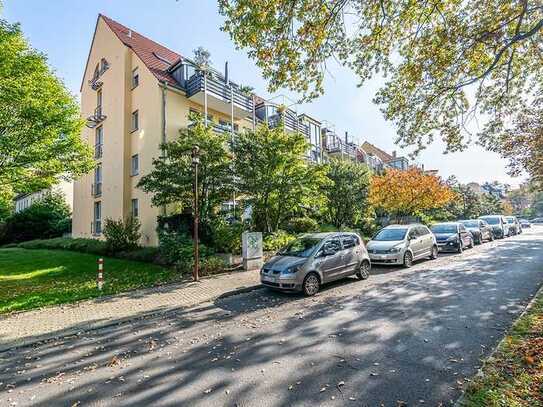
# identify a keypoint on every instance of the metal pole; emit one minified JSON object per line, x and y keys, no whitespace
{"x":195,"y":162}
{"x":205,"y":96}
{"x":100,"y":280}
{"x":232,"y":137}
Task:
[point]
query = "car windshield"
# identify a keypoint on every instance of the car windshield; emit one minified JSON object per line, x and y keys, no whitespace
{"x":510,"y":220}
{"x":492,"y":221}
{"x":390,"y":235}
{"x":470,"y":223}
{"x":302,"y":247}
{"x":444,"y":229}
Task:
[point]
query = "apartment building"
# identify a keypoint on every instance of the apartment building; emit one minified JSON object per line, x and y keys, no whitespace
{"x":137,"y":94}
{"x":26,"y":200}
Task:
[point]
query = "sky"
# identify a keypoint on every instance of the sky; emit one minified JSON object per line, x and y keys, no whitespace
{"x":63,"y":30}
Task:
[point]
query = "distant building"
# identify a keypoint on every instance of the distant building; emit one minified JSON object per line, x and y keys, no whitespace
{"x":24,"y":201}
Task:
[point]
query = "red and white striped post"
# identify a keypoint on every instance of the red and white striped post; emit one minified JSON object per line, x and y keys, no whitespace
{"x":100,"y":279}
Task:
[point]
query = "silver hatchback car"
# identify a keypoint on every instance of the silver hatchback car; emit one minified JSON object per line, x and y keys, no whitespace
{"x":314,"y":259}
{"x":402,"y":244}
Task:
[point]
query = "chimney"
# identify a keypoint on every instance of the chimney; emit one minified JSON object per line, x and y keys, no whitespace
{"x":394,"y":154}
{"x":129,"y":33}
{"x":346,"y":137}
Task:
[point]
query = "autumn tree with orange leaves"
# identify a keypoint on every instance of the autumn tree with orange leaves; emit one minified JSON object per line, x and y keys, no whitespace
{"x":408,"y":193}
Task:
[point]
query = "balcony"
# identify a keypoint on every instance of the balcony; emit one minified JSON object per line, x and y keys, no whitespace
{"x":336,"y":147}
{"x":96,"y":118}
{"x":96,"y":189}
{"x":218,"y":95}
{"x":98,"y":151}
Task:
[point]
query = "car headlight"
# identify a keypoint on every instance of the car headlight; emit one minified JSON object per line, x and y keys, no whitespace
{"x":291,"y":270}
{"x":452,"y":239}
{"x":396,"y":249}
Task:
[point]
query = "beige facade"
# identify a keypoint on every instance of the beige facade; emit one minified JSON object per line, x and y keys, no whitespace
{"x":162,"y":110}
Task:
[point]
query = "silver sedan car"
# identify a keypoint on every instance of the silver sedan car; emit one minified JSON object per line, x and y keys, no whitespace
{"x":402,"y":244}
{"x":314,"y":259}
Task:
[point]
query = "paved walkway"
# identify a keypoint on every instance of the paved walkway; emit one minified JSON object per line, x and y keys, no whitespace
{"x":33,"y":326}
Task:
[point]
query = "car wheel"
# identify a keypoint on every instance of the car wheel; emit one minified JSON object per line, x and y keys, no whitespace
{"x":311,"y":284}
{"x":364,"y":270}
{"x":471,"y":244}
{"x":407,"y":260}
{"x":479,"y":240}
{"x":491,"y":238}
{"x":434,"y":254}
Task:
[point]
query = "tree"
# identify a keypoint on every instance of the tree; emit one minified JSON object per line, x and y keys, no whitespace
{"x":47,"y":218}
{"x":444,"y":62}
{"x":274,"y":175}
{"x":347,"y":193}
{"x":408,"y":193}
{"x":40,"y":123}
{"x":466,"y":205}
{"x":490,"y":205}
{"x":172,"y":178}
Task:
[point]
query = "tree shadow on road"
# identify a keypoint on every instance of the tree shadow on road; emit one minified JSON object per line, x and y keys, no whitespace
{"x":412,"y":335}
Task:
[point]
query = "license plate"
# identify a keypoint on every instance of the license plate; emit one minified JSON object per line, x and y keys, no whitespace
{"x":379,"y":256}
{"x":269,"y":279}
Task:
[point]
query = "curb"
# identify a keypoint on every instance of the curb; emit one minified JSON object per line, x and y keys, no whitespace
{"x":462,"y":399}
{"x":4,"y":347}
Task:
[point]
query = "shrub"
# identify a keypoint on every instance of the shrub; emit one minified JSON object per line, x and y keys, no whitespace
{"x":276,"y":240}
{"x":122,"y":235}
{"x":46,"y":218}
{"x":226,"y":238}
{"x":178,"y":249}
{"x":207,"y":266}
{"x":143,"y":254}
{"x":90,"y":246}
{"x":302,"y":225}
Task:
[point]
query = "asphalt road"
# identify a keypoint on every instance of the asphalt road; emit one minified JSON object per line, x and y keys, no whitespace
{"x":414,"y":336}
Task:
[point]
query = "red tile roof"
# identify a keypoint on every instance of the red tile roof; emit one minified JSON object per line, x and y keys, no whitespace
{"x":371,"y":149}
{"x":153,"y":55}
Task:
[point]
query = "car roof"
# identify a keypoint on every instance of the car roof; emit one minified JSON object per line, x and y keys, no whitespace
{"x":446,"y":223}
{"x":395,"y":226}
{"x":469,"y":220}
{"x":324,"y":235}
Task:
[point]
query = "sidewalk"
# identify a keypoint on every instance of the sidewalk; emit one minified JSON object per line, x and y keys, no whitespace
{"x":28,"y":327}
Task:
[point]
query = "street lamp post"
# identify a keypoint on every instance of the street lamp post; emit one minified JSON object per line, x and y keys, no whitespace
{"x":195,"y":161}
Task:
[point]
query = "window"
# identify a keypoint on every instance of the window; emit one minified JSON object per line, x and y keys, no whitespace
{"x":98,"y":142}
{"x":333,"y":245}
{"x":135,"y":208}
{"x":135,"y":167}
{"x":135,"y":78}
{"x":97,"y":185}
{"x":97,"y":222}
{"x":99,"y":98}
{"x":135,"y":121}
{"x":349,"y":242}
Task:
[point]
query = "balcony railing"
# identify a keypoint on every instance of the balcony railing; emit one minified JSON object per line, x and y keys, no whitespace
{"x":98,"y":151}
{"x":217,"y":87}
{"x":338,"y":147}
{"x":290,"y":121}
{"x":97,"y":117}
{"x":96,"y":189}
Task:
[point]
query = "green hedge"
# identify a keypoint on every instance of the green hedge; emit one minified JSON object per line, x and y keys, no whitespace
{"x":90,"y":246}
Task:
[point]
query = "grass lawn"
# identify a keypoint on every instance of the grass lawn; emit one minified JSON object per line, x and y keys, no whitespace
{"x":514,"y":375}
{"x":34,"y":278}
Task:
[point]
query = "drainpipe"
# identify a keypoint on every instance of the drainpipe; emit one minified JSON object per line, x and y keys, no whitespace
{"x":163,"y":128}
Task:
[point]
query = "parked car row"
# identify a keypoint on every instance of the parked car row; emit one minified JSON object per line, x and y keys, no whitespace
{"x":318,"y":258}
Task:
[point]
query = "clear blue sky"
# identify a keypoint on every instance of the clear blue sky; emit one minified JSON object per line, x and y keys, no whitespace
{"x":63,"y":30}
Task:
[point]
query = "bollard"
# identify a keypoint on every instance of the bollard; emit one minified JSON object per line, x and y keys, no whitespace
{"x":100,"y":279}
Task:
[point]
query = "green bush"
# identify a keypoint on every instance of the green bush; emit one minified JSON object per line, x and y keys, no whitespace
{"x":122,"y":235}
{"x":225,"y":238}
{"x":276,"y":240}
{"x":143,"y":254}
{"x":47,"y":218}
{"x":178,"y":249}
{"x":90,"y":246}
{"x":207,"y":266}
{"x":302,"y":225}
